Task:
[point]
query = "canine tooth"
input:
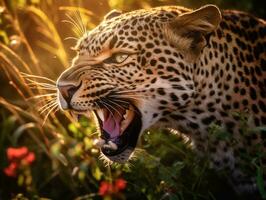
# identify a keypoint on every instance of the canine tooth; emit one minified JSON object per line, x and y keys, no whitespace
{"x":123,"y":126}
{"x":100,"y":114}
{"x":107,"y":146}
{"x":112,"y":145}
{"x":126,"y":114}
{"x":99,"y":142}
{"x":127,"y":120}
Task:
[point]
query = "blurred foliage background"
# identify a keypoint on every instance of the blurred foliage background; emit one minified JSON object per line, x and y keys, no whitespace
{"x":36,"y":37}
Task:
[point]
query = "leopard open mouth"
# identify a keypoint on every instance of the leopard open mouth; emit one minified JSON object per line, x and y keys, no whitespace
{"x":120,"y":128}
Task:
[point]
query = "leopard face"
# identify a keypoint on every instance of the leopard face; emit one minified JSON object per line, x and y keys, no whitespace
{"x":176,"y":68}
{"x":122,"y":73}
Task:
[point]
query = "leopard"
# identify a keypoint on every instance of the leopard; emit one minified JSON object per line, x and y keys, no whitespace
{"x":201,"y":73}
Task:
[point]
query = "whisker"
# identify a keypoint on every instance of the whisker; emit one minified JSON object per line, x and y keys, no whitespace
{"x":57,"y":108}
{"x":80,"y":21}
{"x":106,"y":106}
{"x":132,"y":92}
{"x":35,"y":76}
{"x":76,"y":30}
{"x":41,"y":95}
{"x":128,"y":91}
{"x":112,"y":107}
{"x":122,"y":90}
{"x":113,"y":102}
{"x":71,"y":38}
{"x":97,"y":105}
{"x":42,"y":88}
{"x":126,"y":97}
{"x":84,"y":26}
{"x":46,"y":85}
{"x":40,"y":83}
{"x":49,"y":99}
{"x":52,"y":107}
{"x":120,"y":100}
{"x":46,"y":107}
{"x":77,"y":21}
{"x":133,"y":95}
{"x":45,"y":101}
{"x":121,"y":106}
{"x":46,"y":116}
{"x":123,"y":97}
{"x":137,"y":96}
{"x":33,"y":81}
{"x":75,"y":24}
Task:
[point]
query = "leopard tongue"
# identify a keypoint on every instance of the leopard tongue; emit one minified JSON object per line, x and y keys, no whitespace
{"x":112,"y":123}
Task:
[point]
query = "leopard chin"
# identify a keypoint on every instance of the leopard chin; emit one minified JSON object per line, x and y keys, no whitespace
{"x":121,"y":158}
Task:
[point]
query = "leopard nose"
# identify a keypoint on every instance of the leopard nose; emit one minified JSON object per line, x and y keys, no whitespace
{"x":67,"y":92}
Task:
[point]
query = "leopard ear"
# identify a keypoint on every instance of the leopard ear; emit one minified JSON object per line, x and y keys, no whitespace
{"x":188,"y":32}
{"x":112,"y":13}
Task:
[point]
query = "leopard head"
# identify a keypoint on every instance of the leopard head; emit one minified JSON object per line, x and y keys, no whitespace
{"x":133,"y":70}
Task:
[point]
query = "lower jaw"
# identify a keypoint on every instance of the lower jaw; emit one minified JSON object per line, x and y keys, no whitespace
{"x":122,"y":157}
{"x":129,"y":140}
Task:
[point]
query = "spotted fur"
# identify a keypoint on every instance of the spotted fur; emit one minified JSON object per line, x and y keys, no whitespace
{"x":192,"y":71}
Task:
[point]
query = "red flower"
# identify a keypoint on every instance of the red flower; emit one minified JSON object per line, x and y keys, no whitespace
{"x":120,"y":184}
{"x":105,"y":188}
{"x":29,"y":158}
{"x":17,"y":157}
{"x":16,"y":153}
{"x":11,"y":170}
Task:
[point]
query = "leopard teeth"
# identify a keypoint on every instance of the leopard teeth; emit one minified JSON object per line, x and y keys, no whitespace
{"x":128,"y":117}
{"x":100,"y":115}
{"x":111,"y":145}
{"x":99,"y":142}
{"x":126,"y":114}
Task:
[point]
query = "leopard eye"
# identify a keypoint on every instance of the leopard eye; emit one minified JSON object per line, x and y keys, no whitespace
{"x":116,"y":58}
{"x":120,"y":57}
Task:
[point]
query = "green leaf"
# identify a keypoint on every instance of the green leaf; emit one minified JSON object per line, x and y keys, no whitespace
{"x":4,"y":36}
{"x":20,"y":180}
{"x":260,"y":182}
{"x":73,"y":128}
{"x":97,"y":174}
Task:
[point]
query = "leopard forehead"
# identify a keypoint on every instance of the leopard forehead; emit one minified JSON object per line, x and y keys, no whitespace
{"x":125,"y":26}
